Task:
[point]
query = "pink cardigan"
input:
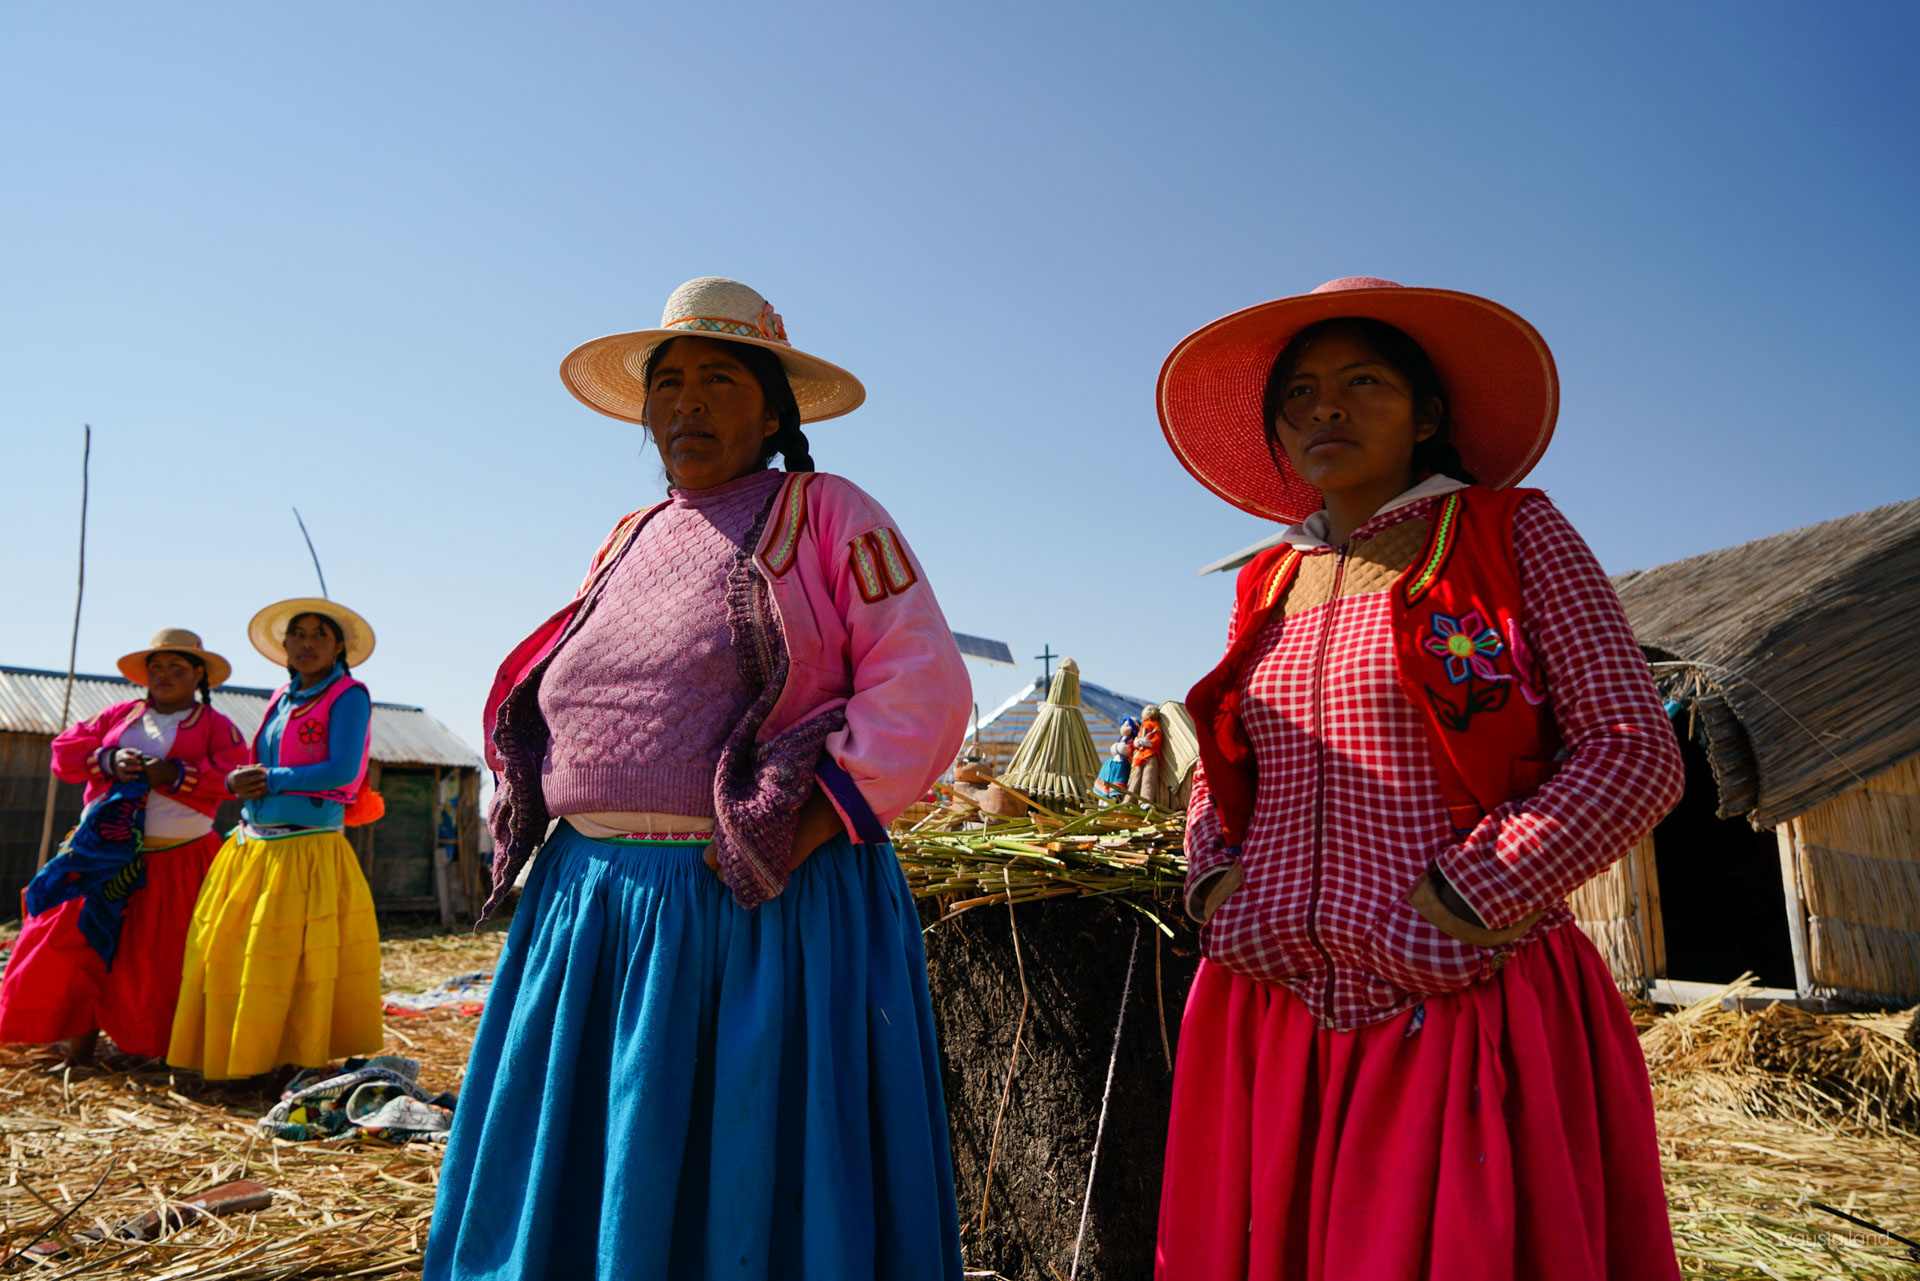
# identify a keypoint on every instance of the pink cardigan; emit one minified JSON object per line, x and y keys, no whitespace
{"x":857,"y":636}
{"x":206,"y":745}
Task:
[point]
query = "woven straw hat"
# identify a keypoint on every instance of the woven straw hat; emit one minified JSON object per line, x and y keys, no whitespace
{"x":175,"y":640}
{"x":268,"y":630}
{"x":606,"y":374}
{"x":1502,"y":390}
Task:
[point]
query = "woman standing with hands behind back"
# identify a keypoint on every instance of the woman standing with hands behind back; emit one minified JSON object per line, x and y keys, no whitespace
{"x":283,"y":958}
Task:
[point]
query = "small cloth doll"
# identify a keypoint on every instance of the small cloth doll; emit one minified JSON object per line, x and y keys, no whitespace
{"x":1112,"y":782}
{"x":1148,"y":779}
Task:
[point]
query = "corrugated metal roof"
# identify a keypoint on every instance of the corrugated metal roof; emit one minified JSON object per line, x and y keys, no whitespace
{"x":1096,"y":699}
{"x":402,"y":735}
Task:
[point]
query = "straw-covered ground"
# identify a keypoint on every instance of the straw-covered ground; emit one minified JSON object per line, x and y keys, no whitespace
{"x":97,"y":1147}
{"x":1761,"y":1115}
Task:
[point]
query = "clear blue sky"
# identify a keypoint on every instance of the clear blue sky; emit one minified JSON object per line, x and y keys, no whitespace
{"x":333,"y":254}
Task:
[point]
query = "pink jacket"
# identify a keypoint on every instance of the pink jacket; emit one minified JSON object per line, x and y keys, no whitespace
{"x":206,"y":745}
{"x":862,"y":632}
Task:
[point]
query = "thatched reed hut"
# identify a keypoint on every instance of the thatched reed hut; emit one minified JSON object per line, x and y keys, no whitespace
{"x":429,"y":779}
{"x":1790,"y":666}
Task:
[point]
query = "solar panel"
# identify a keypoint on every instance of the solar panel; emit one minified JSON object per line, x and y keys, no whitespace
{"x":987,"y":651}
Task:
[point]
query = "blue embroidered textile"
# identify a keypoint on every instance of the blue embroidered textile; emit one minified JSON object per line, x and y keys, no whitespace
{"x":100,"y":864}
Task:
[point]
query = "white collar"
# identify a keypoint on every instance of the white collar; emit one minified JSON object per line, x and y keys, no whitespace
{"x":1312,"y":532}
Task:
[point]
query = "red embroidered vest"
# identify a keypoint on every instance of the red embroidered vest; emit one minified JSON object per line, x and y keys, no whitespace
{"x":304,"y":740}
{"x":1462,"y":657}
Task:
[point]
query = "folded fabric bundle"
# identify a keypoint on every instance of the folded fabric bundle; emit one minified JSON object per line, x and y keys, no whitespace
{"x":378,"y":1096}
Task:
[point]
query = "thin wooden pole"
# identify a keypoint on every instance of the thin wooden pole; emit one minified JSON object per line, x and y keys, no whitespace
{"x":1643,"y":912}
{"x":1788,"y":835}
{"x":317,"y":571}
{"x":73,"y":650}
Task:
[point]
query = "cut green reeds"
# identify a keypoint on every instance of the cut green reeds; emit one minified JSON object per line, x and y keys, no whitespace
{"x":1128,"y":852}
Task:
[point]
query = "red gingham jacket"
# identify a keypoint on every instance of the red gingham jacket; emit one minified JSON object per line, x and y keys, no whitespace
{"x":1348,"y":810}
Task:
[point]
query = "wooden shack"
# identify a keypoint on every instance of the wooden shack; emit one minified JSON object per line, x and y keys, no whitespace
{"x":1789,"y":665}
{"x":423,"y":856}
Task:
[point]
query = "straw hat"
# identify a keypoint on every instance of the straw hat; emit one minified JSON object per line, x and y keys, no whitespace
{"x":1502,"y":390}
{"x":175,"y":640}
{"x":268,"y":630}
{"x":605,"y":374}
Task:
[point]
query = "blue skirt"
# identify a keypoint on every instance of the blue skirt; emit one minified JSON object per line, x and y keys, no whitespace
{"x":665,"y":1085}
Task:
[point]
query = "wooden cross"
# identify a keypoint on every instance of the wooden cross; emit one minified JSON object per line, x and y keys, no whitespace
{"x":1046,"y":657}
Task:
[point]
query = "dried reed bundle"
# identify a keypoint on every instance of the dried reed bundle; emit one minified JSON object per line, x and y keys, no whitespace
{"x":1855,"y":1069}
{"x":1761,"y":1113}
{"x":1056,"y":762}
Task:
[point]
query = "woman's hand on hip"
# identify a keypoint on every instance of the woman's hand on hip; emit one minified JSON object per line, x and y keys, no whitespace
{"x":818,"y":823}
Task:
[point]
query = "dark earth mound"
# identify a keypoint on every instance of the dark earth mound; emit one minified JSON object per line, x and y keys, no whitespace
{"x":1076,"y":964}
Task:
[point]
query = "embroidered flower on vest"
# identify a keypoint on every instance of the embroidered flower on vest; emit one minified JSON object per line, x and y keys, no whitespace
{"x":1468,"y":645}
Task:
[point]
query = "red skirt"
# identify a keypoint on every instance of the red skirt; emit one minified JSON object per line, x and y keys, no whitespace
{"x":1506,"y":1135}
{"x":57,"y":987}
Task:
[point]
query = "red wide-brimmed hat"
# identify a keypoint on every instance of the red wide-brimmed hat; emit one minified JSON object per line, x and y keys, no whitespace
{"x":1498,"y":374}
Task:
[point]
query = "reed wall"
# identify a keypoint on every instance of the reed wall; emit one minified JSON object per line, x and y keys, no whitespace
{"x":1608,"y":909}
{"x":1858,"y":859}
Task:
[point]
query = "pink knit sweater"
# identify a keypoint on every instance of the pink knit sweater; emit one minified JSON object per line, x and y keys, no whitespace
{"x":641,"y":698}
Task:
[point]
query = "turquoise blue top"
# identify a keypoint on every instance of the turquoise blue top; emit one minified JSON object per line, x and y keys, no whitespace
{"x":352,"y":717}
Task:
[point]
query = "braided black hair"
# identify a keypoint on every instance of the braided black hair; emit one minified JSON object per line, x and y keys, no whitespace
{"x":764,"y":364}
{"x":1437,"y":454}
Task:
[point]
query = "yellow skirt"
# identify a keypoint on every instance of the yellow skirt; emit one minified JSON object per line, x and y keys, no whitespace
{"x":282,"y":962}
